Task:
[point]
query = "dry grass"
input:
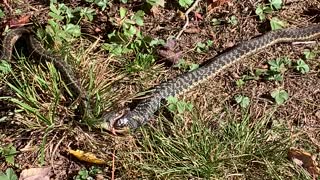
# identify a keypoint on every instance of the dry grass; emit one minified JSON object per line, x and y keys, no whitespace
{"x":217,"y":140}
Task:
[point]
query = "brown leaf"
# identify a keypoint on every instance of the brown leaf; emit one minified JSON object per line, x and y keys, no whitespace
{"x":192,"y":30}
{"x":198,"y":16}
{"x":170,"y":44}
{"x":181,"y":15}
{"x":155,"y":8}
{"x":170,"y":55}
{"x":304,"y":159}
{"x":212,"y":4}
{"x":35,"y":174}
{"x":20,"y":22}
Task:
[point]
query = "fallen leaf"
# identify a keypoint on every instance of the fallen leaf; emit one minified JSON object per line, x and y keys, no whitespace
{"x":155,"y":11}
{"x":212,"y":4}
{"x":170,"y":55}
{"x":97,"y":30}
{"x":305,"y":160}
{"x":86,"y":156}
{"x":192,"y":30}
{"x":181,"y":15}
{"x":198,"y":16}
{"x":170,"y":44}
{"x":35,"y":174}
{"x":100,"y":177}
{"x":23,"y":20}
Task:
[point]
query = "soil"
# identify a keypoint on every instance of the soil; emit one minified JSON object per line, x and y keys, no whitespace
{"x":210,"y":99}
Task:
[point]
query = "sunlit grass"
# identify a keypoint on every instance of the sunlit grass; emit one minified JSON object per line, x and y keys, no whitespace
{"x":245,"y":149}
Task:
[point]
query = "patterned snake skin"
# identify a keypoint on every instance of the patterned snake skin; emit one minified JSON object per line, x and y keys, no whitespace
{"x":146,"y":108}
{"x":37,"y":50}
{"x":141,"y":114}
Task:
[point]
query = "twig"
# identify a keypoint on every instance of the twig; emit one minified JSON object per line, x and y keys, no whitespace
{"x":113,"y":166}
{"x":5,"y":2}
{"x":194,"y":5}
{"x":303,"y":42}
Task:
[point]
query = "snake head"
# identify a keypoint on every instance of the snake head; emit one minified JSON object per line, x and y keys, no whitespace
{"x":115,"y":121}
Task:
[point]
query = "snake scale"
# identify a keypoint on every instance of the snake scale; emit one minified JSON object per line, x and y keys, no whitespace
{"x":141,"y":114}
{"x":147,"y":107}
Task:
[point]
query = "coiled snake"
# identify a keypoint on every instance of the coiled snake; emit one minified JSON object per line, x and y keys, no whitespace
{"x":144,"y":110}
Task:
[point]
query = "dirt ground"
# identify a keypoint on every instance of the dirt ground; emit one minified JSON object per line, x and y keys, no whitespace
{"x":213,"y":100}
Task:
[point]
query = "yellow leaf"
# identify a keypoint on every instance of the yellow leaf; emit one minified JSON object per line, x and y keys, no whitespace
{"x":86,"y":156}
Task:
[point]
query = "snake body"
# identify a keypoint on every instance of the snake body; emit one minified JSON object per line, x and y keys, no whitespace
{"x":41,"y":54}
{"x":141,"y":114}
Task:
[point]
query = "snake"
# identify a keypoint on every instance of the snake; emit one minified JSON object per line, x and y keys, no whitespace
{"x":141,"y":114}
{"x":39,"y":53}
{"x":144,"y":110}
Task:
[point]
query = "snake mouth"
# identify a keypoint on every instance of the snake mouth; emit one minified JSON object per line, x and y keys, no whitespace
{"x":110,"y":122}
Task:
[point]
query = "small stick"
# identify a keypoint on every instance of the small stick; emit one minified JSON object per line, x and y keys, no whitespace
{"x":303,"y":42}
{"x":5,"y":2}
{"x":113,"y":166}
{"x":194,"y":5}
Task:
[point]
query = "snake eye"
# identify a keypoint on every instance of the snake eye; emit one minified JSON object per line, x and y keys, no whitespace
{"x":121,"y":123}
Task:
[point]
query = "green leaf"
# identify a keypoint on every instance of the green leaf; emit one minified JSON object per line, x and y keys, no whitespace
{"x":102,"y":4}
{"x":72,"y":29}
{"x":209,"y":43}
{"x":233,"y":20}
{"x":138,"y":17}
{"x":302,"y":66}
{"x":243,"y":101}
{"x":5,"y":67}
{"x":2,"y":14}
{"x":280,"y":96}
{"x":54,"y":9}
{"x":185,"y":3}
{"x":123,"y":12}
{"x":193,"y":67}
{"x":215,"y":21}
{"x":276,"y":4}
{"x":88,"y":13}
{"x":267,"y":9}
{"x":178,"y":106}
{"x":277,"y":65}
{"x":9,"y":152}
{"x":309,"y":54}
{"x":259,"y":11}
{"x":276,"y":23}
{"x":68,"y":12}
{"x":275,"y":77}
{"x":156,"y":41}
{"x":240,"y":82}
{"x":259,"y":72}
{"x":132,"y":31}
{"x":200,"y":47}
{"x":9,"y":175}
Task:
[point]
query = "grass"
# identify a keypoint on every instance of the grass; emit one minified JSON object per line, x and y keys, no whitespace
{"x":237,"y":146}
{"x":234,"y":149}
